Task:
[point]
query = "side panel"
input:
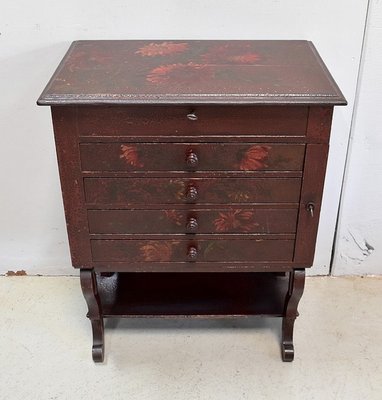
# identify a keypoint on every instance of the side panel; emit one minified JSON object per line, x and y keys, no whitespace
{"x":319,"y":124}
{"x":65,"y":132}
{"x":311,"y":195}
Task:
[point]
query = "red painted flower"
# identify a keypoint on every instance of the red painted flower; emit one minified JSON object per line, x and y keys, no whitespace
{"x":248,"y":58}
{"x":237,"y":220}
{"x":231,"y":53}
{"x":161,"y":49}
{"x":178,"y":187}
{"x":157,"y":251}
{"x":181,"y":74}
{"x":239,"y":196}
{"x":130,"y":154}
{"x":174,"y":216}
{"x":254,"y":158}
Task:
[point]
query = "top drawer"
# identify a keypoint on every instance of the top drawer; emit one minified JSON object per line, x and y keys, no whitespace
{"x":192,"y":121}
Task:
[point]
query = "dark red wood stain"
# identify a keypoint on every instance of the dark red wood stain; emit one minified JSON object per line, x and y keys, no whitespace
{"x":196,"y":71}
{"x":209,"y":157}
{"x":176,"y":250}
{"x":196,"y":295}
{"x":211,"y":120}
{"x":119,"y":191}
{"x":311,"y":194}
{"x":66,"y":137}
{"x":194,"y":170}
{"x":229,"y":220}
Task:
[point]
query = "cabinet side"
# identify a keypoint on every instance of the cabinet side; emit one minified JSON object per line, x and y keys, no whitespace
{"x":67,"y":147}
{"x":316,"y":154}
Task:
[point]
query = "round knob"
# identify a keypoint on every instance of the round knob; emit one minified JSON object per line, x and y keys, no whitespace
{"x":192,"y":159}
{"x":192,"y":253}
{"x":192,"y":225}
{"x":192,"y":193}
{"x":192,"y":116}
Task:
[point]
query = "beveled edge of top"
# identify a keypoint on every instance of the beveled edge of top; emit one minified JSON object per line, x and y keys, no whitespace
{"x":95,"y":99}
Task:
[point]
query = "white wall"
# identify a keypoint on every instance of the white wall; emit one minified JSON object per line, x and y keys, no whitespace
{"x":359,"y":239}
{"x":34,"y":37}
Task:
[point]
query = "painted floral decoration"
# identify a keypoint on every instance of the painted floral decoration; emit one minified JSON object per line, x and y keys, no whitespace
{"x":157,"y":250}
{"x":239,"y":196}
{"x":248,"y":58}
{"x":195,"y":67}
{"x":231,"y":53}
{"x":161,"y":49}
{"x":237,"y":220}
{"x":174,"y":216}
{"x":130,"y":154}
{"x":180,"y":74}
{"x":179,"y":187}
{"x":254,"y":158}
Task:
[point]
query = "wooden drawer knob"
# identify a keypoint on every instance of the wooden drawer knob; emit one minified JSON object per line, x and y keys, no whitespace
{"x":192,"y":193}
{"x":192,"y":160}
{"x":192,"y":116}
{"x":192,"y":253}
{"x":192,"y":225}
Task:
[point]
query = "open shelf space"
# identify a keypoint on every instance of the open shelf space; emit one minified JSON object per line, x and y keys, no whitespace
{"x":192,"y":294}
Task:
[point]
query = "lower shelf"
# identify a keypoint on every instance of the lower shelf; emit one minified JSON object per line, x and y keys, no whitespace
{"x":192,"y":294}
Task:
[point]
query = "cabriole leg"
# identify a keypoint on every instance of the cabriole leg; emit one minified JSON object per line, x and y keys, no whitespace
{"x":90,"y":292}
{"x":295,"y":291}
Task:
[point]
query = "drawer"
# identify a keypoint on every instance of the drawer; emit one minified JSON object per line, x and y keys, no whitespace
{"x":138,"y":191}
{"x":175,"y":221}
{"x":195,"y":157}
{"x":200,"y":120}
{"x":172,"y":250}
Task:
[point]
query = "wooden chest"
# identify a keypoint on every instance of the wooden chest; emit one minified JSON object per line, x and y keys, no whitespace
{"x":192,"y":174}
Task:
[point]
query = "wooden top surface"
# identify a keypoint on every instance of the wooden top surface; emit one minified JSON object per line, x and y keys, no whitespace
{"x":191,"y":72}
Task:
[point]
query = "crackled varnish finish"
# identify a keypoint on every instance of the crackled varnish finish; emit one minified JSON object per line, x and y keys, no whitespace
{"x":192,"y":174}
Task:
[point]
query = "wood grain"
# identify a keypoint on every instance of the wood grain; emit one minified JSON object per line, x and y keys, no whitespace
{"x":192,"y":175}
{"x":65,"y":132}
{"x":193,"y":72}
{"x":311,"y":193}
{"x":226,"y":220}
{"x":176,"y":250}
{"x":172,"y":120}
{"x":175,"y":191}
{"x":137,"y":157}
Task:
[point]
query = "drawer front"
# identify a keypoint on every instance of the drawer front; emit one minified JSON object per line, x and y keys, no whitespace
{"x":129,"y":191}
{"x":178,"y":120}
{"x":195,"y":157}
{"x":173,"y":250}
{"x":229,"y":220}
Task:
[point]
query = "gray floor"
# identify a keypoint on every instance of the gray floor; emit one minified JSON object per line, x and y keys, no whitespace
{"x":45,"y":348}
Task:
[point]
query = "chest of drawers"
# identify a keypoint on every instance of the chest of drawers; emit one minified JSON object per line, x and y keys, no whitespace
{"x":192,"y":174}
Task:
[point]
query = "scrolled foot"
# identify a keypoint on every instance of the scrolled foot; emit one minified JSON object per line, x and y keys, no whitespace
{"x":90,"y":291}
{"x":98,"y":349}
{"x":98,"y":352}
{"x":287,"y":352}
{"x":296,"y":288}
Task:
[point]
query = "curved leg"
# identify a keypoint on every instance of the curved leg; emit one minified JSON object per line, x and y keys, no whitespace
{"x":90,"y":292}
{"x":295,"y":291}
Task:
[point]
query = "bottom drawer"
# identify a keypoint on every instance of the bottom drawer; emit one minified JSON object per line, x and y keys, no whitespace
{"x":185,"y":250}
